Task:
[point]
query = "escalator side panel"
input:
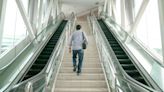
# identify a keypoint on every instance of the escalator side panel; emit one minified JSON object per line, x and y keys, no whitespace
{"x":122,"y":57}
{"x":45,"y":54}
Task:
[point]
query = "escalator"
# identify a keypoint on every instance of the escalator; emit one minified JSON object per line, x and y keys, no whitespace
{"x":122,"y":57}
{"x":45,"y":54}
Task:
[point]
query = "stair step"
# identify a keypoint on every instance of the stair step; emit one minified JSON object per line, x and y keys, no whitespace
{"x":84,"y":70}
{"x":85,"y":64}
{"x":89,"y":59}
{"x":81,"y":90}
{"x":83,"y":76}
{"x":81,"y":84}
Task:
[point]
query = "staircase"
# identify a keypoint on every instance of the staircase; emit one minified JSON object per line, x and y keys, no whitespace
{"x":91,"y":79}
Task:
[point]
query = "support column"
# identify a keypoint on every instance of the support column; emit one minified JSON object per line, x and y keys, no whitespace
{"x":48,"y":11}
{"x":105,"y":7}
{"x":138,"y":18}
{"x":54,"y":9}
{"x":25,"y":19}
{"x":129,"y":10}
{"x":2,"y":17}
{"x":40,"y":16}
{"x":161,"y":15}
{"x":109,"y":8}
{"x":122,"y":13}
{"x":113,"y":6}
{"x":34,"y":13}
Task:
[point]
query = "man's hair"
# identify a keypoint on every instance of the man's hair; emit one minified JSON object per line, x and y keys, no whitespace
{"x":78,"y":27}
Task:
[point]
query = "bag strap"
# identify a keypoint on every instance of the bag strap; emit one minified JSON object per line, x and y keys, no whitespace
{"x":83,"y":36}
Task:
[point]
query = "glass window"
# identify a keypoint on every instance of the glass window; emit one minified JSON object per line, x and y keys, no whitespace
{"x":137,"y":6}
{"x":25,"y":4}
{"x":14,"y":27}
{"x":148,"y":30}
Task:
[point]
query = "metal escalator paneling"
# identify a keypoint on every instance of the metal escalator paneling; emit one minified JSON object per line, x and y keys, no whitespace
{"x":44,"y":56}
{"x":123,"y":59}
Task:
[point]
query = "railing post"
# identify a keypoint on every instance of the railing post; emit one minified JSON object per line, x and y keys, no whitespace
{"x":115,"y":90}
{"x":28,"y":87}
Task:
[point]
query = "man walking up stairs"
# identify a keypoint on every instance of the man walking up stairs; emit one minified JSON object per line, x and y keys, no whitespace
{"x":92,"y":78}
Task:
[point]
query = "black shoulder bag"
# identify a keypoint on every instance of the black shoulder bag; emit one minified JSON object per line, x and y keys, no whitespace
{"x":84,"y":45}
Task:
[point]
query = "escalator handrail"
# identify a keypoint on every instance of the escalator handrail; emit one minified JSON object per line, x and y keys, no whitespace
{"x":153,"y":83}
{"x":43,"y":73}
{"x":130,"y":78}
{"x":125,"y":74}
{"x":56,"y":49}
{"x":134,"y":84}
{"x":103,"y":37}
{"x":122,"y":70}
{"x":114,"y":56}
{"x":36,"y":77}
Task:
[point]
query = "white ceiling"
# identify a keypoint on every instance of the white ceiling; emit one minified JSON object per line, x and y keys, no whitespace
{"x":79,"y":6}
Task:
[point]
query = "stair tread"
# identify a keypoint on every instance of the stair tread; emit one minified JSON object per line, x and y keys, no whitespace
{"x":81,"y":89}
{"x":80,"y":83}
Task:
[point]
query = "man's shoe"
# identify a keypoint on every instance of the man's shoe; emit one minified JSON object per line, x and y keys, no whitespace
{"x":78,"y":73}
{"x":74,"y":69}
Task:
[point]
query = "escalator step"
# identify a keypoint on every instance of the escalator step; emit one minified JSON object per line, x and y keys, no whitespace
{"x":41,"y":61}
{"x":122,"y":56}
{"x":48,"y":49}
{"x":128,"y":67}
{"x":119,"y":52}
{"x":53,"y":40}
{"x":44,"y":56}
{"x":113,"y":42}
{"x":114,"y":45}
{"x":33,"y":71}
{"x":125,"y":61}
{"x":46,"y":52}
{"x":132,"y":73}
{"x":37,"y":66}
{"x":52,"y":44}
{"x":117,"y":49}
{"x":140,"y":79}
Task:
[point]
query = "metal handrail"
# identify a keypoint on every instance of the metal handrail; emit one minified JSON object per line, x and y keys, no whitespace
{"x":74,"y":21}
{"x":100,"y":44}
{"x":127,"y":76}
